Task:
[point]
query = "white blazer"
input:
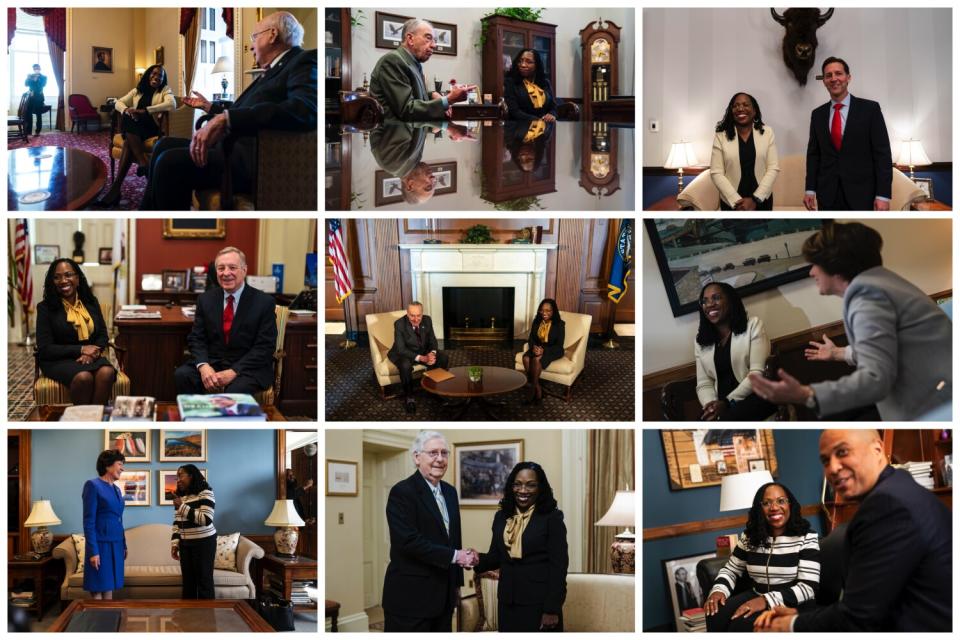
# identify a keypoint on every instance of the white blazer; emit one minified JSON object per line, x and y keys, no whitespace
{"x":162,"y":100}
{"x":725,"y":164}
{"x":748,"y":353}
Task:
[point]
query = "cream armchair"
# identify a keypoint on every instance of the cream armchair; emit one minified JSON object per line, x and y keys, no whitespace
{"x":567,"y":369}
{"x":701,"y":195}
{"x":380,"y":331}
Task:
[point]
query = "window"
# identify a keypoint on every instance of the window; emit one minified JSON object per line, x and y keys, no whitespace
{"x":214,"y":42}
{"x":29,"y":47}
{"x":203,"y":19}
{"x":213,"y":21}
{"x":213,"y":55}
{"x":203,"y":51}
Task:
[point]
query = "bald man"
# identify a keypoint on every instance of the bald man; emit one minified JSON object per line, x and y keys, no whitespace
{"x":897,"y":549}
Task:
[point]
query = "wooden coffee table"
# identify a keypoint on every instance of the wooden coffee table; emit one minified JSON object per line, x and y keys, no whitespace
{"x":165,"y":412}
{"x":172,"y":616}
{"x":70,"y":178}
{"x":496,"y":381}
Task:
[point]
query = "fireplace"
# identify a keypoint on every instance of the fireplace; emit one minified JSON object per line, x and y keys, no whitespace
{"x":478,"y":316}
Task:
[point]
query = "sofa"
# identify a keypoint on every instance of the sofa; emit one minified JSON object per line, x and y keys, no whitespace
{"x":150,"y":571}
{"x":567,"y":369}
{"x":701,"y":195}
{"x":595,"y":602}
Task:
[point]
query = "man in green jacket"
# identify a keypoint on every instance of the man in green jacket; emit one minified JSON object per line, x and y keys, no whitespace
{"x":397,"y":80}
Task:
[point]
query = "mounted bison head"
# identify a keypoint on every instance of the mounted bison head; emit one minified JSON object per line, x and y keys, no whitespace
{"x":800,"y":41}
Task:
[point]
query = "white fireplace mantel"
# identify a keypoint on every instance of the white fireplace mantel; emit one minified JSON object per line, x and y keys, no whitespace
{"x":522,"y":267}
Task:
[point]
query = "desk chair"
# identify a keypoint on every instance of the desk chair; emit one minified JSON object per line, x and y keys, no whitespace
{"x":116,"y":138}
{"x":566,"y":370}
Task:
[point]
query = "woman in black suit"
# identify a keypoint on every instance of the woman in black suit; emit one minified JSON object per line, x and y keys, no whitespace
{"x":71,"y":335}
{"x":527,"y":91}
{"x":546,"y":345}
{"x":529,"y":546}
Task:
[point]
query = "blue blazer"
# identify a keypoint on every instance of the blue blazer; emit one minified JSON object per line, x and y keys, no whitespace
{"x":102,"y":515}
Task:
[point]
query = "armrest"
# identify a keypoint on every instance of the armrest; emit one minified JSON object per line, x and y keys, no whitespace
{"x":121,"y":354}
{"x":68,"y":553}
{"x":247,"y":550}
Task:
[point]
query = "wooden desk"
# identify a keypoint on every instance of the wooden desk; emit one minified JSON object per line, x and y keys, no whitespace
{"x":931,"y":205}
{"x":43,"y":571}
{"x":288,"y":570}
{"x":155,"y":348}
{"x":664,"y":204}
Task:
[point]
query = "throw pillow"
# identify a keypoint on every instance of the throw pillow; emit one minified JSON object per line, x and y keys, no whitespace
{"x":80,"y":544}
{"x":227,"y":552}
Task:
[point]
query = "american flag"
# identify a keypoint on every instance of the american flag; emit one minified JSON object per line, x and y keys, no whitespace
{"x":21,"y":253}
{"x":338,"y":258}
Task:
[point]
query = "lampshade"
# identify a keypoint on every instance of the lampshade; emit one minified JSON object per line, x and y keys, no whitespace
{"x":737,"y":491}
{"x":41,"y":515}
{"x":681,"y":155}
{"x":223,"y":65}
{"x":140,"y":71}
{"x":621,"y":512}
{"x":284,"y":515}
{"x":912,"y":154}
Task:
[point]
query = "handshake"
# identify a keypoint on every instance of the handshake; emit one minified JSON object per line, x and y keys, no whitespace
{"x":468,"y":558}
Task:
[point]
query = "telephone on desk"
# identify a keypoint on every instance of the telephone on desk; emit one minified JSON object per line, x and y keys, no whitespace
{"x":306,"y":299}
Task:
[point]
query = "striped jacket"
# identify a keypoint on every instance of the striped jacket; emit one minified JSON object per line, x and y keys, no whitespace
{"x":785,"y":573}
{"x":194,"y":519}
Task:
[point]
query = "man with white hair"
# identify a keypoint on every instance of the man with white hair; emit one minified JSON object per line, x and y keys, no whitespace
{"x":284,"y":97}
{"x":397,"y":80}
{"x":426,"y":562}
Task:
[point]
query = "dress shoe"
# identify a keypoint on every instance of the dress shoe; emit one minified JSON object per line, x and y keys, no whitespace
{"x":409,"y":405}
{"x":107,"y":200}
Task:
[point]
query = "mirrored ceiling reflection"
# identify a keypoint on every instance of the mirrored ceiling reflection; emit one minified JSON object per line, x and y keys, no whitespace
{"x":503,"y":166}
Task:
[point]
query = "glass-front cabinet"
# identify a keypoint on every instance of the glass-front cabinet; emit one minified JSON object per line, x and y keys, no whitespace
{"x":504,"y":38}
{"x":336,"y":57}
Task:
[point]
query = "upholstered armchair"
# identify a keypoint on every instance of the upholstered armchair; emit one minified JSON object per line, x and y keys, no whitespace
{"x":380,"y":332}
{"x":81,"y":111}
{"x":701,"y":195}
{"x":567,"y":369}
{"x":268,"y":397}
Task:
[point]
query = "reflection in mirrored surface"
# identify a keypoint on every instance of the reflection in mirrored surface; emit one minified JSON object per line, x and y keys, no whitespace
{"x":507,"y":166}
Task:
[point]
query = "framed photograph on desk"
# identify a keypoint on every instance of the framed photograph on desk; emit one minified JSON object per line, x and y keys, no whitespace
{"x":174,"y":280}
{"x":151,"y":282}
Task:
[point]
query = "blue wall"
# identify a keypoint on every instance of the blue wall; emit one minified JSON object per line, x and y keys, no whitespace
{"x":240,"y":465}
{"x":656,"y":188}
{"x":799,"y":469}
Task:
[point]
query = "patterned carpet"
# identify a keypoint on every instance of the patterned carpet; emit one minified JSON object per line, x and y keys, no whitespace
{"x":94,"y":142}
{"x":19,"y":382}
{"x":604,"y":392}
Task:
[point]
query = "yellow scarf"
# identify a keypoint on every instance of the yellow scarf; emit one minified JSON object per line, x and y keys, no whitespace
{"x":537,"y":96}
{"x":544,"y":331}
{"x":513,"y":532}
{"x":536,"y":129}
{"x":79,"y":317}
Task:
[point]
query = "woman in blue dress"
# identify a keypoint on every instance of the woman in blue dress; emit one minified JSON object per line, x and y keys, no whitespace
{"x":106,"y":545}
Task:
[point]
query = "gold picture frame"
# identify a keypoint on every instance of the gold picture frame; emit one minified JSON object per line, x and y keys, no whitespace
{"x":509,"y":453}
{"x":710,"y":454}
{"x":194,"y":228}
{"x":342,"y":478}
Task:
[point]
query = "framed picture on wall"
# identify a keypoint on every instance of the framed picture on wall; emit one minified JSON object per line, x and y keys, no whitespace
{"x":388,"y":189}
{"x":183,"y":445}
{"x":105,"y":255}
{"x":134,"y":485}
{"x":45,"y":253}
{"x":102,"y":59}
{"x":480,"y":471}
{"x":445,"y":37}
{"x":752,"y":255}
{"x":194,"y":228}
{"x":701,"y":457}
{"x":134,"y":444}
{"x":342,"y":478}
{"x":167,"y":484}
{"x":683,"y":587}
{"x":388,"y":28}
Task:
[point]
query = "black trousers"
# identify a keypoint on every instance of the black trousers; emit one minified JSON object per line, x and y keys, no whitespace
{"x":721,"y":622}
{"x":405,"y":365}
{"x":188,"y":380}
{"x":196,"y":568}
{"x":39,"y":115}
{"x":174,"y":176}
{"x":393,"y":623}
{"x":750,"y":409}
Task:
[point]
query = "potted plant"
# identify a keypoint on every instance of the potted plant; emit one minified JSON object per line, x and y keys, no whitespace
{"x":478,"y":234}
{"x":530,"y":15}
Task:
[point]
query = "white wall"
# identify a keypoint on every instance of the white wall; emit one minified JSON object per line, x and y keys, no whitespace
{"x":467,"y":65}
{"x":694,"y":60}
{"x":917,"y":249}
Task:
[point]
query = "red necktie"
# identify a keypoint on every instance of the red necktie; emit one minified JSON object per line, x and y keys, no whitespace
{"x":227,"y":319}
{"x":836,"y":128}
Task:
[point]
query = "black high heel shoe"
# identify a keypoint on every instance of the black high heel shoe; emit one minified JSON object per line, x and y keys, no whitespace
{"x":107,"y":201}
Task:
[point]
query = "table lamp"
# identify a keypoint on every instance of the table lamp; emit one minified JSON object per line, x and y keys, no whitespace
{"x":285,"y":517}
{"x":681,"y":155}
{"x":224,"y":66}
{"x":621,"y":514}
{"x":140,"y":71}
{"x":912,"y":155}
{"x":41,"y":516}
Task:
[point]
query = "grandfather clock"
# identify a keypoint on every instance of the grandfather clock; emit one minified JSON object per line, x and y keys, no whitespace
{"x":600,"y":49}
{"x":599,"y":175}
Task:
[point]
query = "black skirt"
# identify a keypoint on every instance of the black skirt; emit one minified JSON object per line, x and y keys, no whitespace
{"x":546,"y":358}
{"x":144,"y":128}
{"x":63,"y":371}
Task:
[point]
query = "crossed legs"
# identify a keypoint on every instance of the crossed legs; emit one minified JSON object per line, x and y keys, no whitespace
{"x":133,"y":149}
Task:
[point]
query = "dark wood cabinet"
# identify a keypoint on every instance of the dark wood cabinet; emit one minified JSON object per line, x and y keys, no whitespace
{"x":298,"y":387}
{"x":18,"y":491}
{"x":337,"y":54}
{"x":516,"y":171}
{"x":504,"y":39}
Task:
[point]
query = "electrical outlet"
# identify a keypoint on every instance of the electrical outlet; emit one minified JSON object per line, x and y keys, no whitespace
{"x":340,"y":518}
{"x":654,"y":126}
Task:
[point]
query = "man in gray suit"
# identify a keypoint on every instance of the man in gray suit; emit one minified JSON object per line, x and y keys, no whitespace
{"x":900,"y":341}
{"x":397,"y":80}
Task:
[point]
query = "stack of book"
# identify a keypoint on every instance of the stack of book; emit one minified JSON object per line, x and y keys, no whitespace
{"x":136,"y":312}
{"x":299,"y":594}
{"x":922,"y":472}
{"x":22,"y":599}
{"x":137,"y":408}
{"x":693,"y":621}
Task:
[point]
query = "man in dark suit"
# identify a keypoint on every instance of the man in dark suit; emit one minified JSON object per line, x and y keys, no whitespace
{"x":849,"y":166}
{"x":234,"y":334}
{"x":897,"y":549}
{"x":426,"y":562}
{"x":397,"y":80}
{"x":284,"y":97}
{"x":414,"y":342}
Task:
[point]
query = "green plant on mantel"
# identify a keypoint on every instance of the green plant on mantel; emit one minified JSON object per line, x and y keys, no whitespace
{"x":530,"y":15}
{"x":478,"y":234}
